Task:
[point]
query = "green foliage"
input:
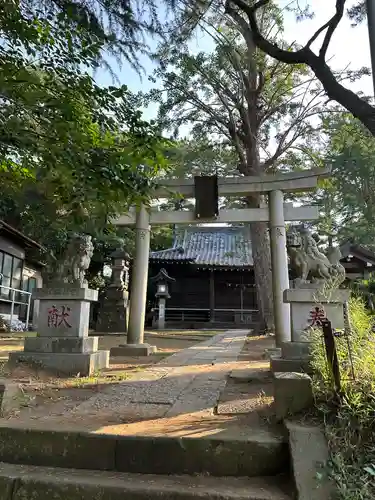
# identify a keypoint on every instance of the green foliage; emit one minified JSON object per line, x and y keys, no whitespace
{"x":350,"y":424}
{"x":361,"y":342}
{"x":72,"y":154}
{"x":347,"y":198}
{"x":116,"y":27}
{"x":201,"y":156}
{"x":235,"y":98}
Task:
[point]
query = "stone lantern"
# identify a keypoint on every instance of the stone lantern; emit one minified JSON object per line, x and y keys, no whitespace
{"x":162,"y":280}
{"x":114,"y":306}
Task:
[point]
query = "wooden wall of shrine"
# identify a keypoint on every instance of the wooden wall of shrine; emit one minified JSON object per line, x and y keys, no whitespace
{"x":216,"y":295}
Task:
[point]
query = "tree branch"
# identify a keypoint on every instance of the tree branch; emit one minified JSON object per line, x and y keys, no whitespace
{"x":332,"y":25}
{"x":361,"y":109}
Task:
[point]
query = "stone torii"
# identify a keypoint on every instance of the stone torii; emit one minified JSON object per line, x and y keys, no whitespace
{"x":276,"y":213}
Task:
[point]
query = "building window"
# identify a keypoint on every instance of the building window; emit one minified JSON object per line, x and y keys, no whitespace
{"x":28,"y":285}
{"x":11,"y":274}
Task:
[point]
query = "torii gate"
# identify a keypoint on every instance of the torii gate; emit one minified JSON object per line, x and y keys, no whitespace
{"x":275,"y":213}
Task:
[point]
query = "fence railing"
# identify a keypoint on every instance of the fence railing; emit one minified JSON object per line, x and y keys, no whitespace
{"x":13,"y":301}
{"x":186,"y":314}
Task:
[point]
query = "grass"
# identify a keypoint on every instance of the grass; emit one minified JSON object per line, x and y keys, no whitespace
{"x":98,"y":379}
{"x":350,"y":419}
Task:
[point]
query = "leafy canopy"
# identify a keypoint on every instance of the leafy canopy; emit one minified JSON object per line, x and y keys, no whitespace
{"x":72,"y":154}
{"x":193,"y":13}
{"x":235,"y":96}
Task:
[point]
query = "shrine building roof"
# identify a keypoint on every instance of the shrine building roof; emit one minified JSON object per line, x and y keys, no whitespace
{"x":365,"y":253}
{"x":209,"y":246}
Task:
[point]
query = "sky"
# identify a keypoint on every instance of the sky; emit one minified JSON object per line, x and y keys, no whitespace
{"x":349,"y":49}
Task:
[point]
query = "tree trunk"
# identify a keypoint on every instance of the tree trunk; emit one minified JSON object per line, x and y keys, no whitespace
{"x":260,"y":245}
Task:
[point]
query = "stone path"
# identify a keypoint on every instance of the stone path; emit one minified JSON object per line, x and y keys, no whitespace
{"x":186,"y":382}
{"x":187,"y":394}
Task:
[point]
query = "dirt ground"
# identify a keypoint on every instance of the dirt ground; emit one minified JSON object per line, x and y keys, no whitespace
{"x":241,"y":404}
{"x":41,"y":389}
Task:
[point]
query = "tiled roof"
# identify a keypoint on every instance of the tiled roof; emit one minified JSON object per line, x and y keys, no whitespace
{"x":366,"y":252}
{"x":209,"y":246}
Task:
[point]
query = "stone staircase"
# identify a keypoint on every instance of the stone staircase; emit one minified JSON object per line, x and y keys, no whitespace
{"x":40,"y":464}
{"x":158,"y":435}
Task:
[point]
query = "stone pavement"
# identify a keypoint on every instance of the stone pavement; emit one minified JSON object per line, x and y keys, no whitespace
{"x":188,"y":382}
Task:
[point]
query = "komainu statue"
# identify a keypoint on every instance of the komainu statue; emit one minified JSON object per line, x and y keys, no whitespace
{"x":70,"y":268}
{"x":309,"y":263}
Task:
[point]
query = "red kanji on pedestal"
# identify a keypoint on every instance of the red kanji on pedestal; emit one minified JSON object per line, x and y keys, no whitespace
{"x":56,"y":318}
{"x":317,"y":315}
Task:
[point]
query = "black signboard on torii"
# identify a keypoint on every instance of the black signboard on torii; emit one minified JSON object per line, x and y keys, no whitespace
{"x":206,"y":190}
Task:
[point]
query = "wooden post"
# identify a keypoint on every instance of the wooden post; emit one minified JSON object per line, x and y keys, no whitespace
{"x":212,"y":296}
{"x":330,"y":347}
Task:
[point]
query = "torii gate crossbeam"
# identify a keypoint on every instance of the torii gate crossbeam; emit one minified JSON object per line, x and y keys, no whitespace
{"x":276,"y":213}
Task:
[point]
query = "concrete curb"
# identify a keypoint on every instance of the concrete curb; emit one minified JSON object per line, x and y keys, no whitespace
{"x":11,"y":397}
{"x":39,"y":483}
{"x":256,"y":456}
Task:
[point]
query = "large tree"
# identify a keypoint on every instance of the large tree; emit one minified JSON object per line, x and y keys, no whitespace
{"x":240,"y":99}
{"x":191,"y":13}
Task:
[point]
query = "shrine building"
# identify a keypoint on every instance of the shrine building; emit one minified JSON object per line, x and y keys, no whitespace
{"x":214,"y":278}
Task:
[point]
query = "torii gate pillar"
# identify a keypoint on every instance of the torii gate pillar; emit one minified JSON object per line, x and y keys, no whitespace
{"x":138,"y":291}
{"x":280,"y":275}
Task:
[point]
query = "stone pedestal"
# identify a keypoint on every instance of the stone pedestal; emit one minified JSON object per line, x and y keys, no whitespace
{"x":62,"y":343}
{"x":308,"y":307}
{"x":113,"y":311}
{"x":293,"y":393}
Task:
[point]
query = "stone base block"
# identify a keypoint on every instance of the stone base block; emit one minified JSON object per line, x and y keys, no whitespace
{"x":309,"y":457}
{"x":133,"y":350}
{"x":290,"y":365}
{"x":61,"y":344}
{"x":66,"y":293}
{"x":296,"y":350}
{"x":71,"y":364}
{"x":292,"y":393}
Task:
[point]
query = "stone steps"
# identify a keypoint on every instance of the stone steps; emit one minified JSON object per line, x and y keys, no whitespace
{"x":26,"y":482}
{"x":260,"y":453}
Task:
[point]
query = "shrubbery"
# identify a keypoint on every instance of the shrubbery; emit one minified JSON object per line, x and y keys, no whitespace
{"x":350,"y":421}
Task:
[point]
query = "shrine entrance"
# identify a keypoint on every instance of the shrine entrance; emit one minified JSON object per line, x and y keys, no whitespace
{"x":206,"y":192}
